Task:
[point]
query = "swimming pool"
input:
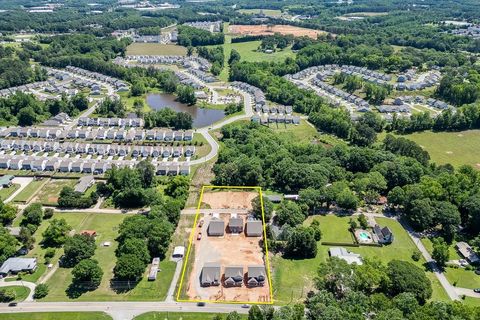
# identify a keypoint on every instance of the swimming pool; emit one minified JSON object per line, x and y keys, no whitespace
{"x":364,"y":236}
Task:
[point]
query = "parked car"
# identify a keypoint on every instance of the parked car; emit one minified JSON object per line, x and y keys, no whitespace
{"x":200,"y":224}
{"x":201,"y":304}
{"x":199,"y":236}
{"x":477,"y":290}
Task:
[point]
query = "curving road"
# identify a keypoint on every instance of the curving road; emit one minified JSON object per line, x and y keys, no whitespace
{"x":29,"y":285}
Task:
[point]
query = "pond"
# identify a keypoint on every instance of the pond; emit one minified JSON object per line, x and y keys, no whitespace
{"x":201,"y":117}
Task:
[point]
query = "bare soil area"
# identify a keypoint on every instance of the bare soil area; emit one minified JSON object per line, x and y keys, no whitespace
{"x":228,"y":250}
{"x":264,"y":29}
{"x":229,"y":199}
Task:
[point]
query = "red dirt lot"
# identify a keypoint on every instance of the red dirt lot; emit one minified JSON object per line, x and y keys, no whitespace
{"x":263,"y":29}
{"x":229,"y":199}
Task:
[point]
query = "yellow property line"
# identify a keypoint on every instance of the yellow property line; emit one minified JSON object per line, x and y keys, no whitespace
{"x":192,"y":235}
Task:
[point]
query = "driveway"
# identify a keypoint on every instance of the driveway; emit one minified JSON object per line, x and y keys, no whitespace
{"x":27,"y":284}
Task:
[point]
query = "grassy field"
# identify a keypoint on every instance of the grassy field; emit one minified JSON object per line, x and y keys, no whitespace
{"x":298,"y":133}
{"x":56,"y":316}
{"x":136,"y":49}
{"x":293,"y":286}
{"x":462,"y":278}
{"x":456,"y":148}
{"x":106,"y":226}
{"x":267,"y":12}
{"x":7,"y":192}
{"x":49,"y":193}
{"x":178,"y":316}
{"x":29,"y":190}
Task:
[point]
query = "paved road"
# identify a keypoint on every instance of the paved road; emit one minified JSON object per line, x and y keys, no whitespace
{"x":467,"y":292}
{"x":27,"y":284}
{"x":23,"y":182}
{"x":121,"y":310}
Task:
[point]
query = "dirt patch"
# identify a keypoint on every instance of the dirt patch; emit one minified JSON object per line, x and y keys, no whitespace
{"x":263,"y":29}
{"x":227,"y":250}
{"x":229,"y":199}
{"x":449,"y":152}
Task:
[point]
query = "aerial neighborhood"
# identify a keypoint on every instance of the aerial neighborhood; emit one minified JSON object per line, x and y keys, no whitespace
{"x":239,"y":160}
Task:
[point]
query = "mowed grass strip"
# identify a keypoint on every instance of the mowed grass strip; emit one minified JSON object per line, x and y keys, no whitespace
{"x":139,"y":49}
{"x":292,"y":287}
{"x":21,"y":293}
{"x":106,"y":226}
{"x":179,"y":316}
{"x":29,"y":190}
{"x":56,"y":316}
{"x":456,"y":148}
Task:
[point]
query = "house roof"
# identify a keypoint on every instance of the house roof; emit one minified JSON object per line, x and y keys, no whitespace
{"x":234,"y":272}
{"x":18,"y":264}
{"x":83,"y":183}
{"x":210,"y":272}
{"x":256,"y":271}
{"x":254,"y":228}
{"x":216,"y":227}
{"x":235,"y":222}
{"x":342,"y":253}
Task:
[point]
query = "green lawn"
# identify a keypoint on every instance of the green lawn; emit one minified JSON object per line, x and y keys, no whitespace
{"x":472,"y":301}
{"x":178,"y":316}
{"x":462,"y":278}
{"x":456,"y":148}
{"x":106,"y":226}
{"x":56,"y":316}
{"x":427,"y":243}
{"x":7,"y":192}
{"x":293,"y":286}
{"x":20,"y":292}
{"x":298,"y":133}
{"x":136,"y":49}
{"x":29,"y":190}
{"x":49,"y":193}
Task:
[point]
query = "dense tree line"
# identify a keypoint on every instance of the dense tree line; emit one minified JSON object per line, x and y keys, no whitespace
{"x":168,"y":118}
{"x":190,"y":36}
{"x":215,"y":55}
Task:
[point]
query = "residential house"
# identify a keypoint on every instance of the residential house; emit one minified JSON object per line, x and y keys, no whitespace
{"x":384,"y":235}
{"x":343,"y":254}
{"x":210,"y":275}
{"x":216,"y":227}
{"x":233,"y":276}
{"x":254,"y":228}
{"x":467,"y":252}
{"x":256,"y":276}
{"x":235,"y":224}
{"x":84,"y":183}
{"x":17,"y":264}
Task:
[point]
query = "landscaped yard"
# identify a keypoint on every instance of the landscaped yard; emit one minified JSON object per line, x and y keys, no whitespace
{"x":136,"y":49}
{"x":456,"y":148}
{"x":462,"y":278}
{"x":21,"y":292}
{"x":427,"y":243}
{"x":49,"y":193}
{"x":293,"y":286}
{"x":56,"y":316}
{"x":29,"y":190}
{"x":7,"y":192}
{"x":178,"y":316}
{"x":106,"y":226}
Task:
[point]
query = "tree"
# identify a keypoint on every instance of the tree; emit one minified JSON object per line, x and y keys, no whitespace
{"x":8,"y":244}
{"x":7,"y":295}
{"x":190,"y":51}
{"x":136,"y":247}
{"x":87,"y":272}
{"x":159,"y":238}
{"x":183,"y":120}
{"x":407,"y":277}
{"x":290,"y":213}
{"x":362,"y":219}
{"x":301,"y":243}
{"x":471,"y":210}
{"x":448,"y":216}
{"x":233,"y":316}
{"x":186,"y":94}
{"x":27,"y":116}
{"x":396,"y":196}
{"x":234,"y":57}
{"x":77,"y":248}
{"x":26,"y":238}
{"x":33,"y":214}
{"x":48,"y":213}
{"x":267,"y":208}
{"x":7,"y":213}
{"x":441,"y":252}
{"x":255,"y":313}
{"x":146,"y":172}
{"x":421,"y":214}
{"x":138,"y":88}
{"x":129,"y":267}
{"x":347,"y":200}
{"x":56,"y":233}
{"x":41,"y":291}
